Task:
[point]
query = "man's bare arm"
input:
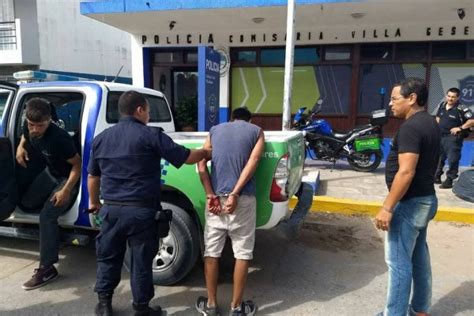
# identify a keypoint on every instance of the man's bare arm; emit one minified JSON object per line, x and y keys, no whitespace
{"x":75,"y":173}
{"x":468,"y":124}
{"x":61,"y":197}
{"x":204,"y":172}
{"x":403,"y":178}
{"x":198,"y":154}
{"x":93,"y":186}
{"x":22,"y":153}
{"x":212,"y":201}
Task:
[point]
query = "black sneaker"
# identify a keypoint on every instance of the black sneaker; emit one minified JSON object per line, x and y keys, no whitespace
{"x":41,"y":276}
{"x":246,"y":308}
{"x":437,"y":180}
{"x":145,"y":310}
{"x":104,"y":307}
{"x":201,"y":307}
{"x":447,"y":184}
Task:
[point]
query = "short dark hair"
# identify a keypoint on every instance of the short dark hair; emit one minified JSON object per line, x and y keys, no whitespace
{"x":241,"y":114}
{"x":454,"y":90}
{"x":416,"y":86}
{"x":38,"y":110}
{"x":129,"y":102}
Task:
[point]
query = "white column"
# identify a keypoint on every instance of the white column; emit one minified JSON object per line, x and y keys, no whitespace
{"x":289,"y":52}
{"x":137,"y":61}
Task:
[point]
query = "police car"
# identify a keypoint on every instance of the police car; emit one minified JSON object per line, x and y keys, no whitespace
{"x":84,"y":109}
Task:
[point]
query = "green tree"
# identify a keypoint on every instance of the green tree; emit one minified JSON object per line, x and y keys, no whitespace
{"x":186,"y":113}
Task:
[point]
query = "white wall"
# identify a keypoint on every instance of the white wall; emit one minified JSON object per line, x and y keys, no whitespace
{"x":27,"y":31}
{"x":71,"y":42}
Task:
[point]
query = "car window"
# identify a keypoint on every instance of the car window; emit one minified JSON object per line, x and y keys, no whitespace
{"x":3,"y":100}
{"x":66,"y":108}
{"x":159,"y":110}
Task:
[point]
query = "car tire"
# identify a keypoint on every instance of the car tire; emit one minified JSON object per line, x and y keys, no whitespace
{"x":178,"y":252}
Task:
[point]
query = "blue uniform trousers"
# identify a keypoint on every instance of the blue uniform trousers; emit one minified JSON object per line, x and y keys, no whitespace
{"x":451,"y":147}
{"x":137,"y":226}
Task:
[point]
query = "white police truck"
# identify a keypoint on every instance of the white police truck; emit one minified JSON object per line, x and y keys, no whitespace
{"x":84,"y":109}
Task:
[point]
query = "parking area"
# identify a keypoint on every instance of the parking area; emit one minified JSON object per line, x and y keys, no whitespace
{"x":335,"y":267}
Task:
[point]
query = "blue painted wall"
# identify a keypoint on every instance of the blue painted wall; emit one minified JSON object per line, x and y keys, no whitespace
{"x":118,"y":6}
{"x":467,"y":154}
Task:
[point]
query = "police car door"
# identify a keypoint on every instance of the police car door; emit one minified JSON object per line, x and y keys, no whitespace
{"x":8,"y":189}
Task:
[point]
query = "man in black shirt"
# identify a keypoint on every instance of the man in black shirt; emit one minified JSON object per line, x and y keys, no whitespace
{"x":454,"y":120}
{"x":54,"y":188}
{"x":411,"y":202}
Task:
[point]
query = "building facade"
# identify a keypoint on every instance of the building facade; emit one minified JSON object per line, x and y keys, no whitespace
{"x":348,"y":53}
{"x":53,"y":36}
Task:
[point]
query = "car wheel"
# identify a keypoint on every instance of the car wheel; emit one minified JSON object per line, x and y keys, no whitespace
{"x":178,"y":252}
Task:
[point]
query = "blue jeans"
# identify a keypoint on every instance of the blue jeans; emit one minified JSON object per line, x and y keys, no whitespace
{"x":407,"y":256}
{"x":38,"y":196}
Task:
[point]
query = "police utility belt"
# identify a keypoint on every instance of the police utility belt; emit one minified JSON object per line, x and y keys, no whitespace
{"x":152,"y":203}
{"x":163,"y":217}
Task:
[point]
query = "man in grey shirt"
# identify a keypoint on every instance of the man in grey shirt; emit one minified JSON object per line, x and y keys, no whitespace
{"x":231,"y":205}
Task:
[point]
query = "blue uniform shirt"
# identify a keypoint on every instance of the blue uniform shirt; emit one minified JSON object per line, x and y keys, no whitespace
{"x":127,"y":158}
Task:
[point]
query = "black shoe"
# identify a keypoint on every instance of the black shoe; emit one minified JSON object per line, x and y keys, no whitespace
{"x":104,"y":307}
{"x":447,"y":184}
{"x":41,"y":276}
{"x":437,"y":180}
{"x":145,"y":310}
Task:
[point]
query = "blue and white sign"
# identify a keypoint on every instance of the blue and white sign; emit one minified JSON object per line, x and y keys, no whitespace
{"x":466,"y":86}
{"x":208,"y":87}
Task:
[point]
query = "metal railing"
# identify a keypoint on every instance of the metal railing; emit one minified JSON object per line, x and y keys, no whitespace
{"x":8,"y":36}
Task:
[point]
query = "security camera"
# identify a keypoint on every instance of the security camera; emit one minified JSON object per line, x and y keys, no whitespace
{"x":172,"y":23}
{"x":461,"y":13}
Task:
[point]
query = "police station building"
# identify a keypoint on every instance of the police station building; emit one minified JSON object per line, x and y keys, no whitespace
{"x":348,"y":53}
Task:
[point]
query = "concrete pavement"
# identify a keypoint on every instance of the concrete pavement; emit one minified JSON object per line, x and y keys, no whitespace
{"x":343,"y":190}
{"x":335,"y":267}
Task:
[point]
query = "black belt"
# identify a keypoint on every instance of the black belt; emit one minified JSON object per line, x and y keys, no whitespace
{"x":139,"y":203}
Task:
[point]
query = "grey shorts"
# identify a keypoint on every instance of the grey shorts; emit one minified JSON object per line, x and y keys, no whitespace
{"x":239,"y":226}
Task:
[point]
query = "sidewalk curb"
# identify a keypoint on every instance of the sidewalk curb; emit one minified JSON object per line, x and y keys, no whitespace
{"x":370,"y":208}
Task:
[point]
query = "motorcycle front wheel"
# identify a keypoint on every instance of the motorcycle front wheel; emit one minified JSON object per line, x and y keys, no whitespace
{"x":366,"y":161}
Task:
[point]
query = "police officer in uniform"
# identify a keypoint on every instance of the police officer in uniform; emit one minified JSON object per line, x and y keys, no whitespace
{"x":125,"y":164}
{"x":454,"y":120}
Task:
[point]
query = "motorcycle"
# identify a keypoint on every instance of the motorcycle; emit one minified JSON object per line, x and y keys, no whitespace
{"x":361,"y":146}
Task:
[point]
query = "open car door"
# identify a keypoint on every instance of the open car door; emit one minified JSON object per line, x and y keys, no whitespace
{"x":8,"y":187}
{"x":7,"y":95}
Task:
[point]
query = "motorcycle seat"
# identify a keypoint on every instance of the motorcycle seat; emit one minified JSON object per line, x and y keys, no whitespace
{"x":341,"y":136}
{"x":361,"y":127}
{"x":344,"y":136}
